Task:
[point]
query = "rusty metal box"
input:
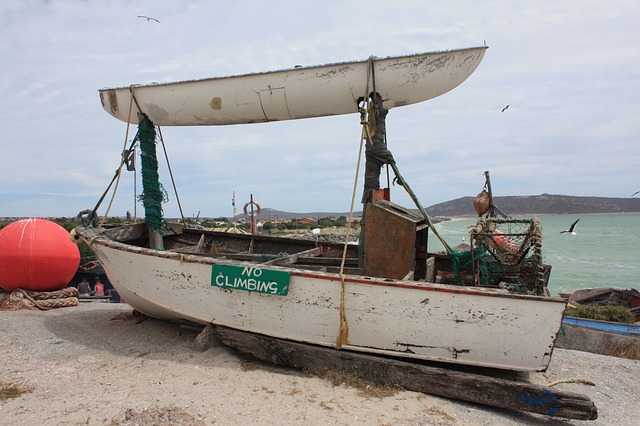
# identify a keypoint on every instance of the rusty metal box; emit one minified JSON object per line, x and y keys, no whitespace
{"x":395,"y":241}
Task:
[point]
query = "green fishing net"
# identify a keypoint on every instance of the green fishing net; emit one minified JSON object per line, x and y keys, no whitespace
{"x":153,"y":195}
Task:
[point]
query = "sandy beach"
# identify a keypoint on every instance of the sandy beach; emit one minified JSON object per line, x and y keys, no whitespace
{"x":79,"y":365}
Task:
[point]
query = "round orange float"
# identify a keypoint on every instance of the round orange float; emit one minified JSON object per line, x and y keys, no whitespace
{"x":36,"y":254}
{"x":482,"y":203}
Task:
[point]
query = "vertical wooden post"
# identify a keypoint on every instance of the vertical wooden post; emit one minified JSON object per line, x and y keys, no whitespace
{"x":492,"y":212}
{"x":252,"y":220}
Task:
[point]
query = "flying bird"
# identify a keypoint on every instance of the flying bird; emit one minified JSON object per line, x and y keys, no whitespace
{"x":148,"y":18}
{"x":570,"y":230}
{"x":505,"y":108}
{"x":637,"y":192}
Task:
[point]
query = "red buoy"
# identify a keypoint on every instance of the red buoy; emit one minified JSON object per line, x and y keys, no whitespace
{"x":36,"y":254}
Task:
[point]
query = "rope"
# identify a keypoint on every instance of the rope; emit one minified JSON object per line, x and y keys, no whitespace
{"x":122,"y":161}
{"x":91,"y":266}
{"x":39,"y":300}
{"x":413,"y":196}
{"x":175,"y":190}
{"x":575,"y":380}
{"x":58,"y":294}
{"x":368,"y":121}
{"x":92,"y":219}
{"x":343,"y":334}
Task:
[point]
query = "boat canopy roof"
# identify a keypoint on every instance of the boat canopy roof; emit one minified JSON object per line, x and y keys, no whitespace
{"x":294,"y":93}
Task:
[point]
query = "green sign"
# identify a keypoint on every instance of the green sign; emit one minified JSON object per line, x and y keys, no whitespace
{"x":248,"y":278}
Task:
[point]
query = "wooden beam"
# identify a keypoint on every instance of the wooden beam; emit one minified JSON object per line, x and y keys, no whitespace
{"x":465,"y":386}
{"x":291,"y":259}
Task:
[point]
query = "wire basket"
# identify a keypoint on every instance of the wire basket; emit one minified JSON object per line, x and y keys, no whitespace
{"x":512,"y":255}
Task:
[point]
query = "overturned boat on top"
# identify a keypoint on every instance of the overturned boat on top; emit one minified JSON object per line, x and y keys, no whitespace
{"x":300,"y":92}
{"x":389,"y":296}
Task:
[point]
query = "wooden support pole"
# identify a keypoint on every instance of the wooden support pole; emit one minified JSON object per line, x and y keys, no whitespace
{"x":470,"y":387}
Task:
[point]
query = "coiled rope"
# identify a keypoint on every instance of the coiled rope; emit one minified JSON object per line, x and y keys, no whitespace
{"x":39,"y":300}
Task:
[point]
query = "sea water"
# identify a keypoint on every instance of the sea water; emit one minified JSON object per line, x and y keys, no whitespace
{"x":604,"y":252}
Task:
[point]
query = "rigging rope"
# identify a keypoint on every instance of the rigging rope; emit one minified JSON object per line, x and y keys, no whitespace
{"x":175,"y":190}
{"x":413,"y":196}
{"x":118,"y":173}
{"x":153,"y":195}
{"x":378,"y":153}
{"x":343,"y":334}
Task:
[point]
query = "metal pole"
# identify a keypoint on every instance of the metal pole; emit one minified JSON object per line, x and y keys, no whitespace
{"x":135,"y":189}
{"x":252,"y":222}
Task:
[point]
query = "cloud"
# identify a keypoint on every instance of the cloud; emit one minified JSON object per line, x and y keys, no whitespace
{"x":569,"y":70}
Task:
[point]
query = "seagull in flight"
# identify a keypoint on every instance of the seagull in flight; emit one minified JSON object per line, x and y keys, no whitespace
{"x":505,"y":108}
{"x":637,"y":192}
{"x":570,"y":230}
{"x":148,"y":18}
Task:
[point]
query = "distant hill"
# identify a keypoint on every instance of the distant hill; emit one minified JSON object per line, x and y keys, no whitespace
{"x":513,"y":205}
{"x":267,"y":213}
{"x":540,"y":204}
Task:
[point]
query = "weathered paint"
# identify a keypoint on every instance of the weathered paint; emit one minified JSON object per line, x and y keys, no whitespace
{"x":295,"y":93}
{"x":474,"y":326}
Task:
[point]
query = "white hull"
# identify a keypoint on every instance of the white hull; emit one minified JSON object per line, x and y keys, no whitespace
{"x":418,"y":320}
{"x":294,"y":93}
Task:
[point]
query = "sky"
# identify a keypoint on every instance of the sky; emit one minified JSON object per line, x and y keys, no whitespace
{"x":569,"y":71}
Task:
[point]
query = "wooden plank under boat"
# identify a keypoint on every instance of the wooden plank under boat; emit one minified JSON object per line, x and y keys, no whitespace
{"x":474,"y":387}
{"x":295,"y":93}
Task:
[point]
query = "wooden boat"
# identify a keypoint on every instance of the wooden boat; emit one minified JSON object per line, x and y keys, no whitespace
{"x":600,"y":337}
{"x":295,"y":93}
{"x":606,"y":337}
{"x":388,"y":297}
{"x":246,"y":283}
{"x":628,"y":298}
{"x":608,"y":326}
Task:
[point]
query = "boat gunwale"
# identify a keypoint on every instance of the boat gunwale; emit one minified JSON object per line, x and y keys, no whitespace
{"x":303,"y":273}
{"x":283,"y":70}
{"x":632,"y":329}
